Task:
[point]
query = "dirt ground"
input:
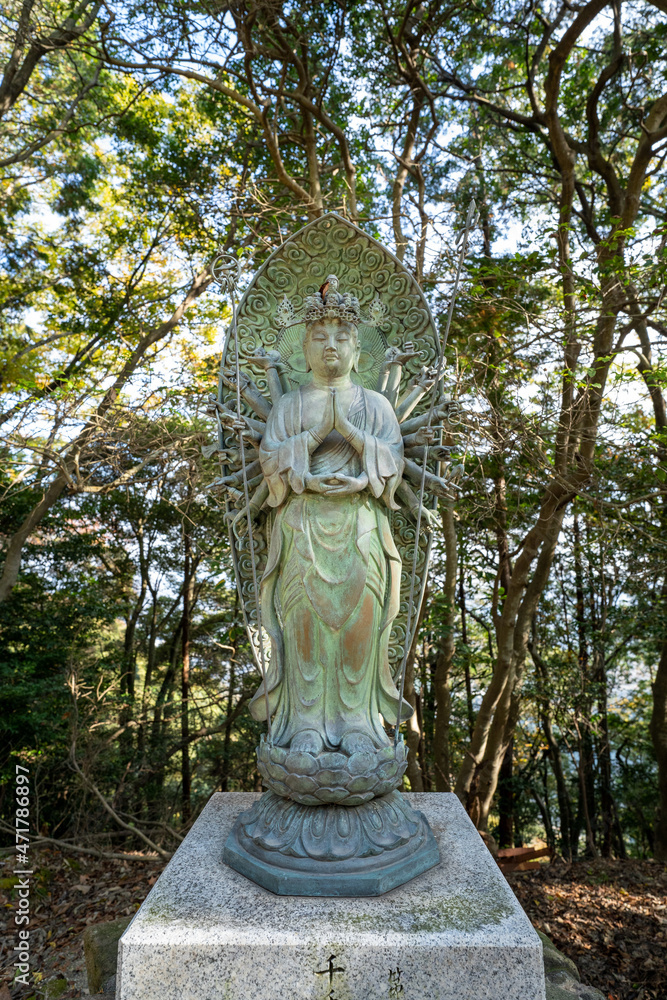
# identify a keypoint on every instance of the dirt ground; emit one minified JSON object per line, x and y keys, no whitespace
{"x":69,"y":891}
{"x":609,"y":917}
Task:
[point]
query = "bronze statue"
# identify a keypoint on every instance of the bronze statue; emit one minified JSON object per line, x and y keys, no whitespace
{"x":324,"y":513}
{"x":332,"y":457}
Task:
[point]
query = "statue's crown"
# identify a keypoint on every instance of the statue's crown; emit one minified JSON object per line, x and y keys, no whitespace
{"x":327,"y":303}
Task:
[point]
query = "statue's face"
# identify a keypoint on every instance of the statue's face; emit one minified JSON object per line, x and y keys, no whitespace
{"x":331,"y":347}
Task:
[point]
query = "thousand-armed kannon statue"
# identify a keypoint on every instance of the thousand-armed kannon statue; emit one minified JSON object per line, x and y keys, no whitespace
{"x":329,"y":477}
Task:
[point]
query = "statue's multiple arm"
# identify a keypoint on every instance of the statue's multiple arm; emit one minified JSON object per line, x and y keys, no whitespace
{"x":283,"y":460}
{"x":389,"y":379}
{"x":271,"y":363}
{"x":255,"y":399}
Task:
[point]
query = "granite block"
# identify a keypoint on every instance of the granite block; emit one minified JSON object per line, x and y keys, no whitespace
{"x":456,"y":932}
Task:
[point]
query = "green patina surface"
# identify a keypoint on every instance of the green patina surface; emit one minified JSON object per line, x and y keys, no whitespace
{"x":158,"y":910}
{"x":459,"y":912}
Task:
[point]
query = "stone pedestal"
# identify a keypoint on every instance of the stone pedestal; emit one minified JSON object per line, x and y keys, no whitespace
{"x":456,"y":932}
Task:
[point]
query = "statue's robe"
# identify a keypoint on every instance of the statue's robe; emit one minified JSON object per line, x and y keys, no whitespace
{"x":331,"y":587}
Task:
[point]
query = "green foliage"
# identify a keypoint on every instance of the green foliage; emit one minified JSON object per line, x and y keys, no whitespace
{"x":125,"y":167}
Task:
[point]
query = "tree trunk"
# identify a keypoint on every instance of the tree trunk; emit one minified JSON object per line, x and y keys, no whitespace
{"x":607,"y":812}
{"x":587,"y":787}
{"x":444,"y":657}
{"x":544,"y":709}
{"x":564,"y":801}
{"x":464,"y":641}
{"x":658,"y":723}
{"x":542,"y":803}
{"x":506,"y":798}
{"x":658,"y":730}
{"x":412,"y":730}
{"x":598,"y":624}
{"x":586,"y":761}
{"x":226,"y":744}
{"x":421,"y":746}
{"x":498,"y":713}
{"x":188,"y":576}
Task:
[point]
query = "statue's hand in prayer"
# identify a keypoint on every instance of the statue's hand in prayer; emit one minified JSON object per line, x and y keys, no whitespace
{"x":344,"y":427}
{"x":326,"y":424}
{"x":336,"y":484}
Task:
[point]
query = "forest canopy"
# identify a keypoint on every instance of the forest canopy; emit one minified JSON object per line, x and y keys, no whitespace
{"x":137,"y":141}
